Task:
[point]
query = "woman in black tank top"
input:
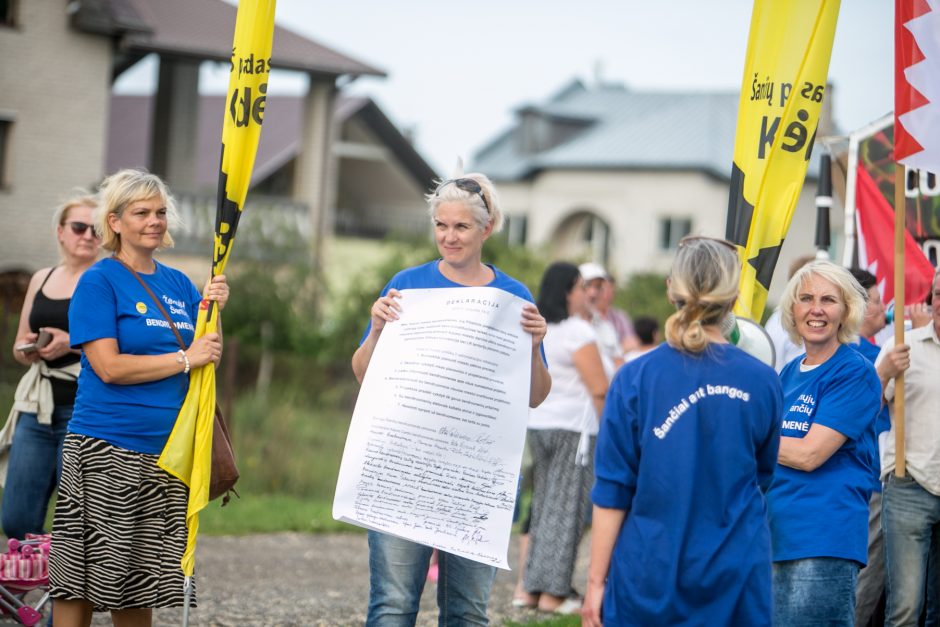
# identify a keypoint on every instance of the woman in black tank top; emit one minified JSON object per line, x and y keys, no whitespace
{"x":42,"y":343}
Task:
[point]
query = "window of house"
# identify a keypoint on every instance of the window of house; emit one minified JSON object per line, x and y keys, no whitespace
{"x":516,"y":229}
{"x":671,"y":230}
{"x":6,"y":127}
{"x":7,"y":12}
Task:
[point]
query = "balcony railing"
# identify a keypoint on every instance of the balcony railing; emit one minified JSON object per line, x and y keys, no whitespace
{"x":269,"y":227}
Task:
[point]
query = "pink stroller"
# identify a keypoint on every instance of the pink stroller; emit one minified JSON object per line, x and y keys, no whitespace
{"x":24,"y":568}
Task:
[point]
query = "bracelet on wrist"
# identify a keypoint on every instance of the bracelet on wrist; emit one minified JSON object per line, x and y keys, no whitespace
{"x":183,"y":359}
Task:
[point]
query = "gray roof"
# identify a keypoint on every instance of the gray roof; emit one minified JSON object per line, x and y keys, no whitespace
{"x":627,"y":130}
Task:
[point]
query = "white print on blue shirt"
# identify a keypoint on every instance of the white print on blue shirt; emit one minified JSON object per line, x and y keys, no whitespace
{"x":805,"y":404}
{"x":160,"y":322}
{"x":176,"y":306}
{"x":705,"y":390}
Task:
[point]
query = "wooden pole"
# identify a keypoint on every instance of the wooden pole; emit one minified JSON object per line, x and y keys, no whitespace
{"x":900,"y":226}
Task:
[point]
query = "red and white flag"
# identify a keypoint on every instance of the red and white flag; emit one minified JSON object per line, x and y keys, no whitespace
{"x":875,"y":219}
{"x":916,"y":84}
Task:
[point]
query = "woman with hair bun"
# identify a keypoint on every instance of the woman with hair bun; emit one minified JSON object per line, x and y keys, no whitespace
{"x":688,"y":439}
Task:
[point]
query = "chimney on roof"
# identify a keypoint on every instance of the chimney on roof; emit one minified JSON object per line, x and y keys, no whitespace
{"x":598,"y":73}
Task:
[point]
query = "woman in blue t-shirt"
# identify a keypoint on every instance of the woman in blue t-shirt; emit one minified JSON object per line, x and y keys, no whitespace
{"x":818,"y":501}
{"x":465,"y":212}
{"x":120,"y":522}
{"x":688,"y":438}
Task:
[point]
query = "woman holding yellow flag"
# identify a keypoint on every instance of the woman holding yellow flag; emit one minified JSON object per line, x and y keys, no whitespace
{"x":120,"y":521}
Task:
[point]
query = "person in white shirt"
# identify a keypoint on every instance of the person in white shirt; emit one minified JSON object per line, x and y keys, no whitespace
{"x":595,"y":279}
{"x":912,"y":503}
{"x":561,"y":437}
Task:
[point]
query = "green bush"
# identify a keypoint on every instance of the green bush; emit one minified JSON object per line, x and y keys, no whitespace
{"x":645,"y":295}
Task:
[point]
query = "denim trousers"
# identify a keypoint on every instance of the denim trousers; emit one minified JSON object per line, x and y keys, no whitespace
{"x":33,"y":472}
{"x":397,"y":571}
{"x":910,"y":518}
{"x":815,"y":591}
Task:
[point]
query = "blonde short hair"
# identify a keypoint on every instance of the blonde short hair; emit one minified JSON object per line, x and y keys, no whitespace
{"x":448,"y":191}
{"x":703,"y":284}
{"x":120,"y":190}
{"x":854,"y":296}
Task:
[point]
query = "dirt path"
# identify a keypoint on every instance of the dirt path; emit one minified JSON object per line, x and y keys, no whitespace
{"x":300,"y":579}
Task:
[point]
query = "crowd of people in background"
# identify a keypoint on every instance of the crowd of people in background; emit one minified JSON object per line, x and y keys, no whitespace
{"x":724,"y":490}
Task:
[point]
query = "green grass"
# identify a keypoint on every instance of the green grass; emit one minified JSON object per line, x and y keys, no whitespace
{"x":254,"y":513}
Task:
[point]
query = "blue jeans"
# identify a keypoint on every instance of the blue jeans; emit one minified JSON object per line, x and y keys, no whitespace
{"x":33,"y":472}
{"x":910,"y":517}
{"x":815,"y":591}
{"x":397,"y":572}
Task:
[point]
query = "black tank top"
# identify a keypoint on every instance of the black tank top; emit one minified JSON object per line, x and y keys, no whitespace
{"x":54,"y":312}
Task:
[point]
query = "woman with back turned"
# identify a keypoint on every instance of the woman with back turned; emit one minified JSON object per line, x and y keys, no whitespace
{"x":688,"y":438}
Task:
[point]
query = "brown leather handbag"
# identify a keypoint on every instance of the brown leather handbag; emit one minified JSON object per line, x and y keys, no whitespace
{"x":224,"y":473}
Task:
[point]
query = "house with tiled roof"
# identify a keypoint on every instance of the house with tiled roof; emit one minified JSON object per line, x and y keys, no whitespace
{"x":619,"y":176}
{"x":58,"y":129}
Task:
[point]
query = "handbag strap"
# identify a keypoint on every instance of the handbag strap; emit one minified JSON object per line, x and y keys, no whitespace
{"x":166,"y":316}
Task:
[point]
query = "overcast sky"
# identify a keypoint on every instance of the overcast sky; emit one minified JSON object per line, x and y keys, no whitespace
{"x":457,"y":70}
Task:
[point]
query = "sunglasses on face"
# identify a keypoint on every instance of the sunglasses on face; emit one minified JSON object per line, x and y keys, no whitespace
{"x":79,"y":228}
{"x":467,"y":185}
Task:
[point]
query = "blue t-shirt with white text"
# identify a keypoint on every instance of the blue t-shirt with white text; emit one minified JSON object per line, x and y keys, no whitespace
{"x":110,"y":303}
{"x":824,"y":513}
{"x":686,"y":444}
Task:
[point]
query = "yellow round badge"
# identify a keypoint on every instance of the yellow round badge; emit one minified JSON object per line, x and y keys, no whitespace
{"x":141,"y":308}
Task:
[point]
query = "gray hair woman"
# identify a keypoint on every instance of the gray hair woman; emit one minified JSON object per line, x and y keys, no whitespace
{"x":120,"y":522}
{"x":465,"y":212}
{"x":818,"y":501}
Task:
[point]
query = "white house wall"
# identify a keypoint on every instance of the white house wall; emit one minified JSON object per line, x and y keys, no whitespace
{"x":56,"y":84}
{"x":632,"y":203}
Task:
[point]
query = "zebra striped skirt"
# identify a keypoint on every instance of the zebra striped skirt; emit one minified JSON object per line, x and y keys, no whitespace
{"x":119,"y":529}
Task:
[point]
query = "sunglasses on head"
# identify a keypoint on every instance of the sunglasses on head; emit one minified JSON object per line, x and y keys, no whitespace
{"x":688,"y":239}
{"x":79,"y":228}
{"x":467,"y":185}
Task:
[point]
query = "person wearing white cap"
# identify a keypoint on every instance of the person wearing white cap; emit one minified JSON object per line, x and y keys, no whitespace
{"x":594,"y":276}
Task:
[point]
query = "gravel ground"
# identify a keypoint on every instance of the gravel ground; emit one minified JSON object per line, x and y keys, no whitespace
{"x":300,"y":579}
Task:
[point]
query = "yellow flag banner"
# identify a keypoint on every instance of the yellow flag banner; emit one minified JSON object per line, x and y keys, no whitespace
{"x":782,"y":93}
{"x":188,"y":451}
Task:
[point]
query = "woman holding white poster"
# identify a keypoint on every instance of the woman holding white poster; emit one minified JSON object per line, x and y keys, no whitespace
{"x":688,"y":438}
{"x":465,"y":212}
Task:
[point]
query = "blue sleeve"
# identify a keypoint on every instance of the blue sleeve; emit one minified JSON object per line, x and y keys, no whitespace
{"x":93,"y":309}
{"x":617,"y":456}
{"x":851,"y":400}
{"x":769,"y":448}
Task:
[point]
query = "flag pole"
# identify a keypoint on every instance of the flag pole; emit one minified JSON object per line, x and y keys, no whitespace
{"x":823,"y":204}
{"x":900,"y":225}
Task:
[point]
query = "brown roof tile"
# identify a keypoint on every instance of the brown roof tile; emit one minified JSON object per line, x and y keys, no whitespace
{"x":203,"y":29}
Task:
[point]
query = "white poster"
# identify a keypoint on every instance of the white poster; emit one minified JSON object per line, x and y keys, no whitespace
{"x":435,"y":444}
